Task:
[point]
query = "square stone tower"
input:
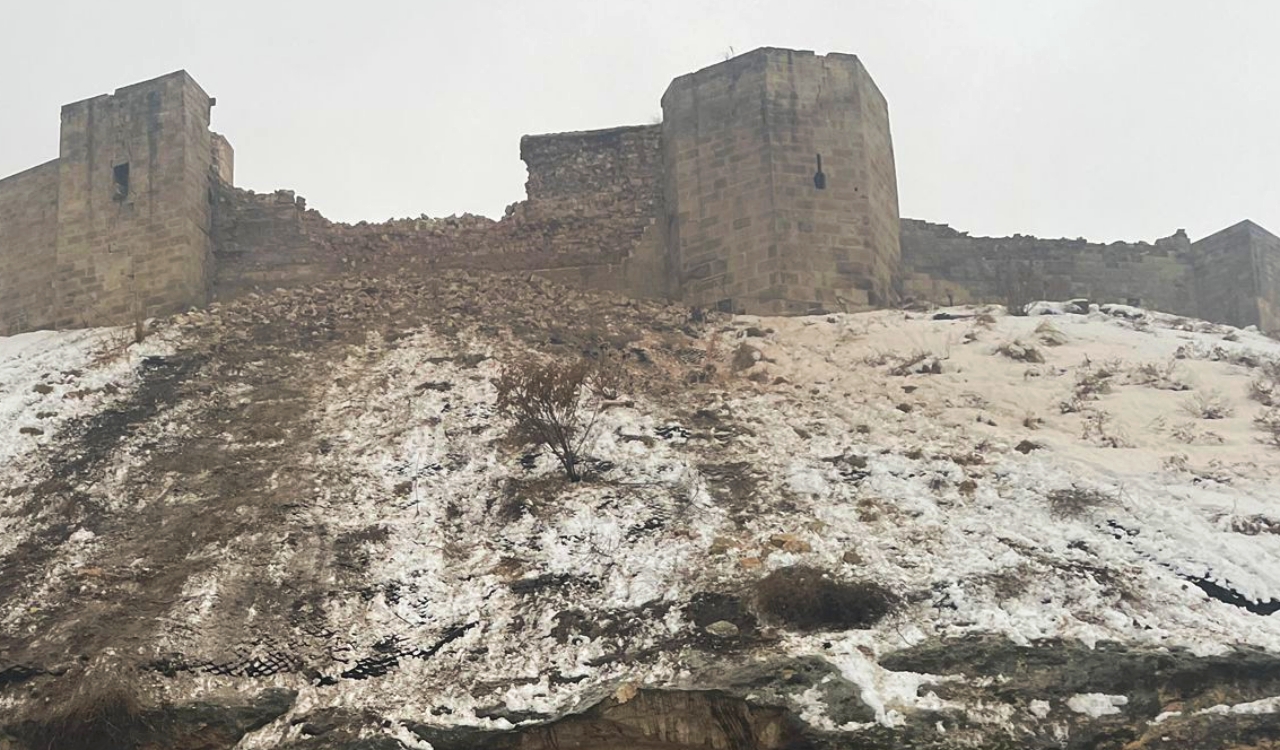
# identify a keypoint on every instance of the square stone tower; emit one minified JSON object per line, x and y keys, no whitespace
{"x":134,"y":200}
{"x":779,"y":185}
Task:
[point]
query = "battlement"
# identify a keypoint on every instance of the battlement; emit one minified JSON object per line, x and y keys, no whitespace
{"x":769,"y":187}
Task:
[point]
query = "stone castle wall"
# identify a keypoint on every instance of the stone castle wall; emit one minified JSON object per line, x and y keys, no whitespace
{"x":721,"y":205}
{"x":1238,"y":276}
{"x":940,"y":264}
{"x":749,"y":227}
{"x":118,"y":226}
{"x":134,"y":203}
{"x":589,"y":219}
{"x":28,"y":241}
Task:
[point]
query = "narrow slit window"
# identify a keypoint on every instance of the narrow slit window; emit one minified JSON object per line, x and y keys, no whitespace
{"x":820,"y":177}
{"x":120,"y":178}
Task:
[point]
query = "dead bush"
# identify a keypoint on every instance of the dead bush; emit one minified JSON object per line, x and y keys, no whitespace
{"x":99,"y":708}
{"x":1190,"y":434}
{"x":1212,"y":405}
{"x":1018,"y":285}
{"x":1265,"y":388}
{"x":557,"y":404}
{"x":1269,"y":422}
{"x":1097,"y":428}
{"x":807,"y":598}
{"x":1164,"y":377}
{"x":1077,"y":501}
{"x":1020,"y":351}
{"x":1092,"y":381}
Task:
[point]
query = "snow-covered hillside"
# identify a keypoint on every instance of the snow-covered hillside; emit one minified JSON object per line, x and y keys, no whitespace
{"x":313,"y":491}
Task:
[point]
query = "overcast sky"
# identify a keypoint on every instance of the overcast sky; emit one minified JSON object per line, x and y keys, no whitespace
{"x":1107,"y":119}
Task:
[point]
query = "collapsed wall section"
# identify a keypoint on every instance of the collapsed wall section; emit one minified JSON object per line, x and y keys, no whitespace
{"x":28,"y":238}
{"x":945,"y":266}
{"x":590,"y":219}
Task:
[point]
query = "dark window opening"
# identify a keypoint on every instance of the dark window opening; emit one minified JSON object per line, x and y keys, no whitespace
{"x":120,"y":176}
{"x":1134,"y":302}
{"x":725,"y":306}
{"x":819,"y":178}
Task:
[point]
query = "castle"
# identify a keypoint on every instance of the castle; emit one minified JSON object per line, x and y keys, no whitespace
{"x":769,"y":188}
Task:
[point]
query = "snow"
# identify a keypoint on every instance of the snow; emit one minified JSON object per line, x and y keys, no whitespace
{"x":940,"y":504}
{"x":1262,"y":706}
{"x":1095,"y":705}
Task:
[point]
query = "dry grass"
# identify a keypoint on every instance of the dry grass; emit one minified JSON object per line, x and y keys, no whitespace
{"x":1269,"y":422}
{"x":1166,"y":377}
{"x":1077,"y":501}
{"x":1211,"y":405}
{"x":1265,"y":387}
{"x":99,"y":708}
{"x":806,"y":598}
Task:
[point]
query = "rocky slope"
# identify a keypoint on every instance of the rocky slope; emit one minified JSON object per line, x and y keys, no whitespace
{"x":298,"y":521}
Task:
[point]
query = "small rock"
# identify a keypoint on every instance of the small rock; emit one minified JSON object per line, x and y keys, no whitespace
{"x":30,"y":430}
{"x":750,"y":562}
{"x":626,"y":691}
{"x":790,"y":543}
{"x":852,"y":557}
{"x":1026,"y":446}
{"x":722,"y":629}
{"x":904,"y":408}
{"x":721,"y":545}
{"x":43,"y":388}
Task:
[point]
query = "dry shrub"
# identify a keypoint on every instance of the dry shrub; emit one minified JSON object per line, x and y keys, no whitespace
{"x":1164,"y":377}
{"x":1212,"y":405}
{"x":807,"y":598}
{"x":557,"y":404}
{"x":1020,"y":351}
{"x":101,"y":709}
{"x":1190,"y":434}
{"x":1092,"y":381}
{"x":1018,"y":286}
{"x":1096,"y":427}
{"x":1265,"y":388}
{"x":1076,"y":501}
{"x":1269,"y":422}
{"x":113,"y":346}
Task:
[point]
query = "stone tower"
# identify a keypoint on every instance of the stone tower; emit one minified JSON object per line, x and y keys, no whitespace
{"x":135,"y":171}
{"x":779,"y":185}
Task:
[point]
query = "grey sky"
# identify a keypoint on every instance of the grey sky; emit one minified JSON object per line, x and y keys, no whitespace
{"x":1107,"y":119}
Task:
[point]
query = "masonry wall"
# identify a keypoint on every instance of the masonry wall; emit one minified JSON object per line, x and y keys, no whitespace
{"x":1267,"y":263}
{"x":144,"y":250}
{"x":748,"y":228}
{"x":942,"y":265}
{"x":223,"y":159}
{"x":590,"y":219}
{"x":28,"y":238}
{"x":1238,"y":276}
